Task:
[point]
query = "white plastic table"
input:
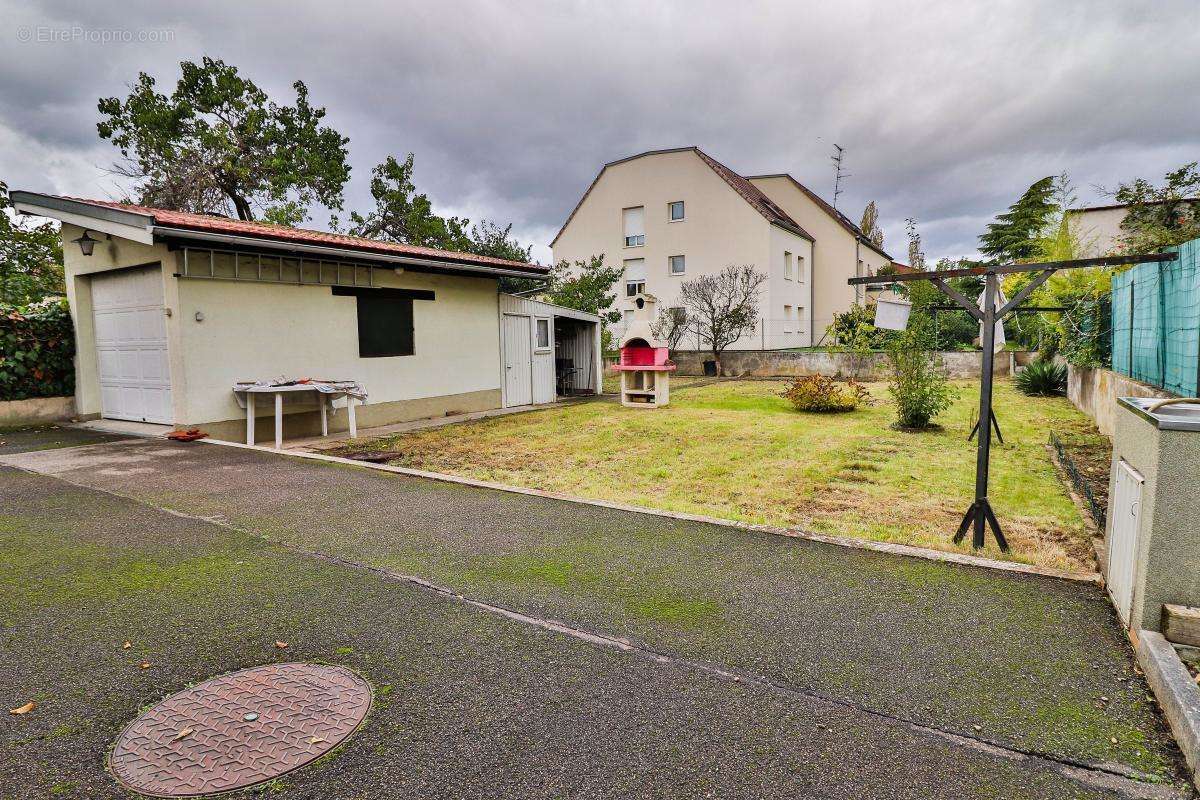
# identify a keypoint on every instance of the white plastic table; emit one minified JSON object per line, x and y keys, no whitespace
{"x":323,"y":399}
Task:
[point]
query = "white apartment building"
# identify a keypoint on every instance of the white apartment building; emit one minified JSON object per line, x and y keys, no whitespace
{"x":669,"y":215}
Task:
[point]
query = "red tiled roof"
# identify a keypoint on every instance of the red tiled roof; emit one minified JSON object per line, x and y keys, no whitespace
{"x":903,"y":269}
{"x":748,"y":191}
{"x":282,"y":233}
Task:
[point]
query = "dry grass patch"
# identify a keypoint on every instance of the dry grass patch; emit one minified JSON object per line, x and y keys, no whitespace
{"x":737,"y":450}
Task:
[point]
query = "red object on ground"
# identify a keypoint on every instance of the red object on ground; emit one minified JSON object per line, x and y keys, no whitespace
{"x":187,"y":436}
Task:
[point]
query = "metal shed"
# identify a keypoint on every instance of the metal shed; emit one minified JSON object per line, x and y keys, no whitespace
{"x":547,"y":352}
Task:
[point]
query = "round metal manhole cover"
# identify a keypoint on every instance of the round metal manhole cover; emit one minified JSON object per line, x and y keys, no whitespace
{"x":240,"y":729}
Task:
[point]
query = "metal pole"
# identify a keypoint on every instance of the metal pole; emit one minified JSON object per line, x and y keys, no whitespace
{"x":985,"y":410}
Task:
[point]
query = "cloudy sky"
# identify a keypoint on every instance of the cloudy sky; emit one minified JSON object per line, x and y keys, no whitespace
{"x":947,"y":110}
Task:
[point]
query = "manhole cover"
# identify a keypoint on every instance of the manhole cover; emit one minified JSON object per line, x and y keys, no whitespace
{"x":239,"y":729}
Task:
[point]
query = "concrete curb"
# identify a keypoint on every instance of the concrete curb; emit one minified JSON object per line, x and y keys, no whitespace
{"x":910,"y":551}
{"x":1176,"y":692}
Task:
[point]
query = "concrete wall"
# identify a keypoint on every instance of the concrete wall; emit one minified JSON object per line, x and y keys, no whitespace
{"x":1167,"y":561}
{"x":36,"y":411}
{"x":1095,"y":393}
{"x":719,"y":227}
{"x":835,"y":255}
{"x":253,"y":331}
{"x":772,"y":364}
{"x":1098,"y":230}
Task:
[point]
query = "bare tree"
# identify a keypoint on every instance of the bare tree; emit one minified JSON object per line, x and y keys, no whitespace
{"x":723,"y":307}
{"x":671,"y":325}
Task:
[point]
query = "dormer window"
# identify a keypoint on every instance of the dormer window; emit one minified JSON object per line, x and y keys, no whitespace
{"x":634,"y":222}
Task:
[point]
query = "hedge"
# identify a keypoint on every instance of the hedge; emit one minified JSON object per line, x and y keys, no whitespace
{"x":37,"y":350}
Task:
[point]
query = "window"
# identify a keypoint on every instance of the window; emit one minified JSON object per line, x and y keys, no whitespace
{"x":787,"y":318}
{"x":634,"y":222}
{"x":677,"y":265}
{"x":788,"y":266}
{"x":635,"y":276}
{"x":675,"y":211}
{"x":385,"y":320}
{"x":800,"y":268}
{"x":543,"y":334}
{"x":627,"y":317}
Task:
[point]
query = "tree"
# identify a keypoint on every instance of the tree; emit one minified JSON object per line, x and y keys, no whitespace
{"x":404,"y":216}
{"x":918,"y":382}
{"x":916,"y":256}
{"x":584,"y":286}
{"x":489,"y":239}
{"x":723,"y":306}
{"x":870,"y":225}
{"x":218,"y":142}
{"x":671,"y":325}
{"x":1160,"y":216}
{"x":1015,"y":234}
{"x":30,"y":257}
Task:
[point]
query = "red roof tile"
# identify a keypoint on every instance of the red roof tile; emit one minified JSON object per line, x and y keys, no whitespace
{"x":282,"y":233}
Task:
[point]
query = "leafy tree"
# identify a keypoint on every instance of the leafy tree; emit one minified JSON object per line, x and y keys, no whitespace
{"x":723,"y":306}
{"x":489,"y":239}
{"x":1160,"y":216}
{"x":870,"y":225}
{"x":404,"y":216}
{"x":219,"y":142}
{"x":1015,"y":234}
{"x":30,"y":257}
{"x":585,"y":286}
{"x":916,"y":256}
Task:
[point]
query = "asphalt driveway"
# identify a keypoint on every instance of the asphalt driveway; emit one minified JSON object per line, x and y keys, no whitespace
{"x":684,"y":658}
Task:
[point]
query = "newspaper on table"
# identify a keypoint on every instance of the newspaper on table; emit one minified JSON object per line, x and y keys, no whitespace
{"x":339,"y":389}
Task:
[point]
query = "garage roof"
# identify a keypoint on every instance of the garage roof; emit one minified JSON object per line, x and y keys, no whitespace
{"x":166,"y":223}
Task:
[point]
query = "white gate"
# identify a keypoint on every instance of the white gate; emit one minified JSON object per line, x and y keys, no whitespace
{"x":518,"y":360}
{"x":1125,"y":509}
{"x":131,"y":344}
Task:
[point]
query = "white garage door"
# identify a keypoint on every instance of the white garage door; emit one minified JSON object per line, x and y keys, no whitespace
{"x":131,"y":345}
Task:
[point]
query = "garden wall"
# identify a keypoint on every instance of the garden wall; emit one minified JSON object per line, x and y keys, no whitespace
{"x":1095,"y":393}
{"x":36,"y":411}
{"x":790,"y":363}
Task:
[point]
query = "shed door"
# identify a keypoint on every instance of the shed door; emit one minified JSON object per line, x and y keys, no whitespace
{"x":518,"y":360}
{"x":1125,"y":509}
{"x":131,"y":345}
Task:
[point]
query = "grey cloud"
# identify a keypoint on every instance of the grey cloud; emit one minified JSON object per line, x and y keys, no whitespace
{"x":948,"y":111}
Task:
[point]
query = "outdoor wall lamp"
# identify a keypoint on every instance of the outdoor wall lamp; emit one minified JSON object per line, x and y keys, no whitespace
{"x":86,"y":243}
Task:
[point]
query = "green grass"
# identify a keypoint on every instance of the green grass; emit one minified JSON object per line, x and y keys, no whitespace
{"x":736,"y":450}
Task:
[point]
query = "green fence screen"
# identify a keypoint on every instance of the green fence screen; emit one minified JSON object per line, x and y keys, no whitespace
{"x":1156,"y":322}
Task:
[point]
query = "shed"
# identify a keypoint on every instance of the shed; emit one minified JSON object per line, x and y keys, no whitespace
{"x":173,"y":309}
{"x":547,"y":351}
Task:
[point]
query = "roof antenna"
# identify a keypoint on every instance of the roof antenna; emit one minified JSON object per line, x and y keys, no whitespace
{"x":837,"y":157}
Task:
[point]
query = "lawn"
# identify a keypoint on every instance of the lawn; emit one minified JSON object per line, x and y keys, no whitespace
{"x":736,"y":450}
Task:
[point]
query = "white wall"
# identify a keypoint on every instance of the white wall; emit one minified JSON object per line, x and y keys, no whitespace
{"x":255,"y":331}
{"x":780,"y":292}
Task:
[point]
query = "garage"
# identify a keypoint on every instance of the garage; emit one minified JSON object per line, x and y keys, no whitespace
{"x":131,"y":344}
{"x":548,"y":352}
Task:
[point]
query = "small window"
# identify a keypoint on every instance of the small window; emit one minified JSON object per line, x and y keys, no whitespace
{"x":788,"y":266}
{"x":787,"y":319}
{"x":800,"y":268}
{"x":627,"y":317}
{"x":634,"y":223}
{"x":677,"y":265}
{"x":675,"y":210}
{"x":635,"y":276}
{"x":385,"y":326}
{"x":633,"y":288}
{"x":543,"y":334}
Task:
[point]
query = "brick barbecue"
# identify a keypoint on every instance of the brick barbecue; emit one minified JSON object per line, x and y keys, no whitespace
{"x":645,"y":367}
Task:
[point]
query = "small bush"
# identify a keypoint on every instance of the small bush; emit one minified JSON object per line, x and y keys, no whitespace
{"x":918,"y":381}
{"x":37,"y":348}
{"x":822,"y":394}
{"x":1042,"y":377}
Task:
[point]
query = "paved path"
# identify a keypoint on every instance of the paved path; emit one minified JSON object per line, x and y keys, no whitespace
{"x":593,"y":653}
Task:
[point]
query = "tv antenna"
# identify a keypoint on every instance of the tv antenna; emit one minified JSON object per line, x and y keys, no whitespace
{"x":838,"y":155}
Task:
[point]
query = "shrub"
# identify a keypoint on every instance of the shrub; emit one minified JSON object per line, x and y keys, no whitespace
{"x":1042,"y":377}
{"x":918,"y":382}
{"x":37,"y":348}
{"x":822,"y":394}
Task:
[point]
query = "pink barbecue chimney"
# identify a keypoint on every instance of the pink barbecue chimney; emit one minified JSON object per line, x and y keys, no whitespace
{"x":645,"y":368}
